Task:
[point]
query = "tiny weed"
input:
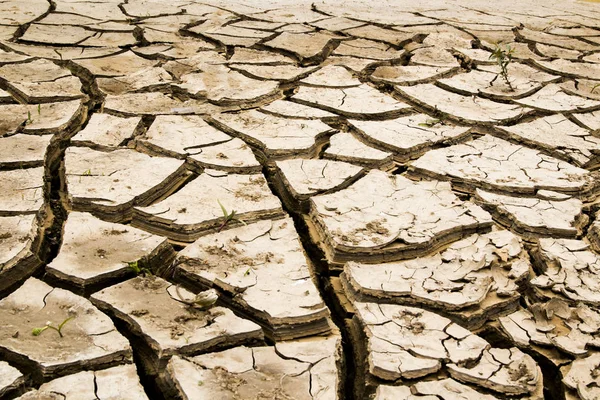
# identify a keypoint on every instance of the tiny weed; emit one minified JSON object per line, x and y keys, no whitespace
{"x":135,"y":267}
{"x":430,"y":123}
{"x":29,"y":120}
{"x":39,"y":109}
{"x":503,"y":57}
{"x":87,"y":172}
{"x":39,"y":331}
{"x":228,"y":217}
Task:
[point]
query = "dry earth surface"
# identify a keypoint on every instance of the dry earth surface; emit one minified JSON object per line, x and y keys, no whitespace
{"x":299,"y":200}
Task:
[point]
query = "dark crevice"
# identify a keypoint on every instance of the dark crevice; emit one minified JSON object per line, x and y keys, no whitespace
{"x":52,"y":217}
{"x":321,"y":274}
{"x":142,"y":354}
{"x":23,"y":28}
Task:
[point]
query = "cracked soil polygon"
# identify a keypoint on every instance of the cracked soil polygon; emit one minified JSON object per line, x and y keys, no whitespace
{"x":110,"y":183}
{"x":492,"y":164}
{"x":23,"y":150}
{"x":194,"y":210}
{"x":275,"y":136}
{"x":110,"y":383}
{"x":473,"y":280}
{"x":242,"y":264}
{"x":344,"y":146}
{"x":568,"y":270}
{"x":94,"y":252}
{"x":531,"y":217}
{"x":154,"y":310}
{"x":355,"y":102}
{"x":10,"y":378}
{"x":302,"y":370}
{"x":106,"y":131}
{"x":390,"y":217}
{"x":467,"y":109}
{"x":407,"y":342}
{"x":409,"y":137}
{"x":90,"y":339}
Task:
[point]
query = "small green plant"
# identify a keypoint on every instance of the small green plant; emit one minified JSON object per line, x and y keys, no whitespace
{"x":137,"y":269}
{"x":39,"y":331}
{"x":430,"y":122}
{"x":87,"y":172}
{"x":29,"y":120}
{"x":503,"y":57}
{"x":39,"y":109}
{"x":228,"y":217}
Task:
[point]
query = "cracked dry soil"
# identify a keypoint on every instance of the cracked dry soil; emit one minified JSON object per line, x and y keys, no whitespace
{"x":299,"y":200}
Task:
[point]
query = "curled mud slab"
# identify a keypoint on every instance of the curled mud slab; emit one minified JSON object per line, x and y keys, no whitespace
{"x":473,"y":280}
{"x":389,"y":217}
{"x":495,"y":164}
{"x":409,"y":343}
{"x":297,"y":200}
